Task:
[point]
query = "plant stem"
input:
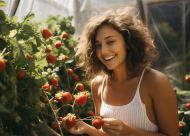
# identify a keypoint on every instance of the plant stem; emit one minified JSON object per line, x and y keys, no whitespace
{"x":67,"y":79}
{"x":54,"y":115}
{"x":3,"y":51}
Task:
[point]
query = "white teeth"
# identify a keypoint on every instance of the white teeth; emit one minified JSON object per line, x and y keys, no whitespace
{"x":108,"y":58}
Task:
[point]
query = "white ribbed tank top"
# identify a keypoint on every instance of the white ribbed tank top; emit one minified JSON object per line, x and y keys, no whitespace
{"x":133,"y":114}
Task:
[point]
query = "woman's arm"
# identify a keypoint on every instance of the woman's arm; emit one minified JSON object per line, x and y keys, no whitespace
{"x":81,"y":127}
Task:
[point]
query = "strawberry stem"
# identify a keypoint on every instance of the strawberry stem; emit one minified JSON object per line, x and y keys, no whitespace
{"x":67,"y":79}
{"x":54,"y":114}
{"x":3,"y":51}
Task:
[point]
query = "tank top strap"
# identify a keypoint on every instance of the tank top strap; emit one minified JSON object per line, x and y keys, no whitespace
{"x":102,"y":88}
{"x":141,"y":78}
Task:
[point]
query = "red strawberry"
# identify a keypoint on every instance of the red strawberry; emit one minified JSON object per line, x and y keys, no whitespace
{"x":100,"y":117}
{"x":47,"y":87}
{"x":48,"y":50}
{"x":51,"y":58}
{"x":53,"y":81}
{"x":97,"y":123}
{"x":70,"y":72}
{"x":46,"y":33}
{"x":70,"y":122}
{"x":55,"y":127}
{"x":20,"y":75}
{"x":32,"y":125}
{"x":80,"y":87}
{"x":59,"y":99}
{"x":55,"y":87}
{"x":46,"y":99}
{"x":174,"y":89}
{"x":60,"y":119}
{"x":2,"y":65}
{"x":63,"y":115}
{"x":65,"y":35}
{"x":91,"y":113}
{"x":188,"y":105}
{"x":181,"y":126}
{"x":30,"y":57}
{"x":67,"y":97}
{"x":76,"y":78}
{"x":40,"y":108}
{"x":63,"y":57}
{"x":55,"y":107}
{"x":187,"y":79}
{"x":81,"y":100}
{"x":58,"y":45}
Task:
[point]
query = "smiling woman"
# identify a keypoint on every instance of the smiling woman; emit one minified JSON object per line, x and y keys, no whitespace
{"x":133,"y":98}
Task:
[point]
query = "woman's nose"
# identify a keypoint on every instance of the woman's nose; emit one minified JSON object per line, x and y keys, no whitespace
{"x":104,"y":49}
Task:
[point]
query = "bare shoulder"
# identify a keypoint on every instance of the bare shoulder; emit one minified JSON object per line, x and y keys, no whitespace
{"x":96,"y":83}
{"x":158,"y":82}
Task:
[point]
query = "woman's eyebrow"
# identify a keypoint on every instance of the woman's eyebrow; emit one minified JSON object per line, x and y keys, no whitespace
{"x":105,"y":38}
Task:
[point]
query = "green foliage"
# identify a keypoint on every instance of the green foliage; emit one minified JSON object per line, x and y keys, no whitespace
{"x":22,"y":100}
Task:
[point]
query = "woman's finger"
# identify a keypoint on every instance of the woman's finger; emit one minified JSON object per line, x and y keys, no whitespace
{"x":111,"y":121}
{"x":109,"y":131}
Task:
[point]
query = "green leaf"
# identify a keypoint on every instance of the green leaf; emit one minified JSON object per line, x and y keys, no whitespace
{"x":70,"y":18}
{"x":28,"y":16}
{"x":14,"y":19}
{"x":12,"y":33}
{"x":44,"y":129}
{"x":2,"y":3}
{"x":23,"y":36}
{"x":31,"y":65}
{"x":38,"y":41}
{"x":182,"y":92}
{"x":2,"y":15}
{"x":21,"y":59}
{"x":28,"y":29}
{"x":6,"y":28}
{"x":13,"y":42}
{"x":41,"y":64}
{"x":3,"y":44}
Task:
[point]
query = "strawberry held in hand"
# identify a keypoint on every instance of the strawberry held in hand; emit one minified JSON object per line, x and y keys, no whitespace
{"x":46,"y":33}
{"x":46,"y":88}
{"x":58,"y":45}
{"x":65,"y":35}
{"x":70,"y":121}
{"x":81,"y":99}
{"x":51,"y":58}
{"x":97,"y":122}
{"x":67,"y":97}
{"x":80,"y":87}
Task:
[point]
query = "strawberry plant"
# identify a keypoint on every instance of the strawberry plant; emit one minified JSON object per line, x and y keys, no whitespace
{"x":35,"y":87}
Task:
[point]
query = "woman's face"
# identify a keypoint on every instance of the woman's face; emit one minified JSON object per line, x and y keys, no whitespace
{"x":110,"y":47}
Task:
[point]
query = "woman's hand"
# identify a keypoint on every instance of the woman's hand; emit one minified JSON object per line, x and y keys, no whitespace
{"x":114,"y":127}
{"x":80,"y":127}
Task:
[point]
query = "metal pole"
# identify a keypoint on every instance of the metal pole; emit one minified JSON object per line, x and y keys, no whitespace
{"x":14,"y":8}
{"x":183,"y":43}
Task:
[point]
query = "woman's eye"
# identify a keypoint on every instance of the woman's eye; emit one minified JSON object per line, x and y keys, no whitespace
{"x":97,"y":46}
{"x":110,"y":42}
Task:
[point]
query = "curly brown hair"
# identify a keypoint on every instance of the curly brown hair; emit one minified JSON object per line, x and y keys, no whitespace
{"x":140,"y":40}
